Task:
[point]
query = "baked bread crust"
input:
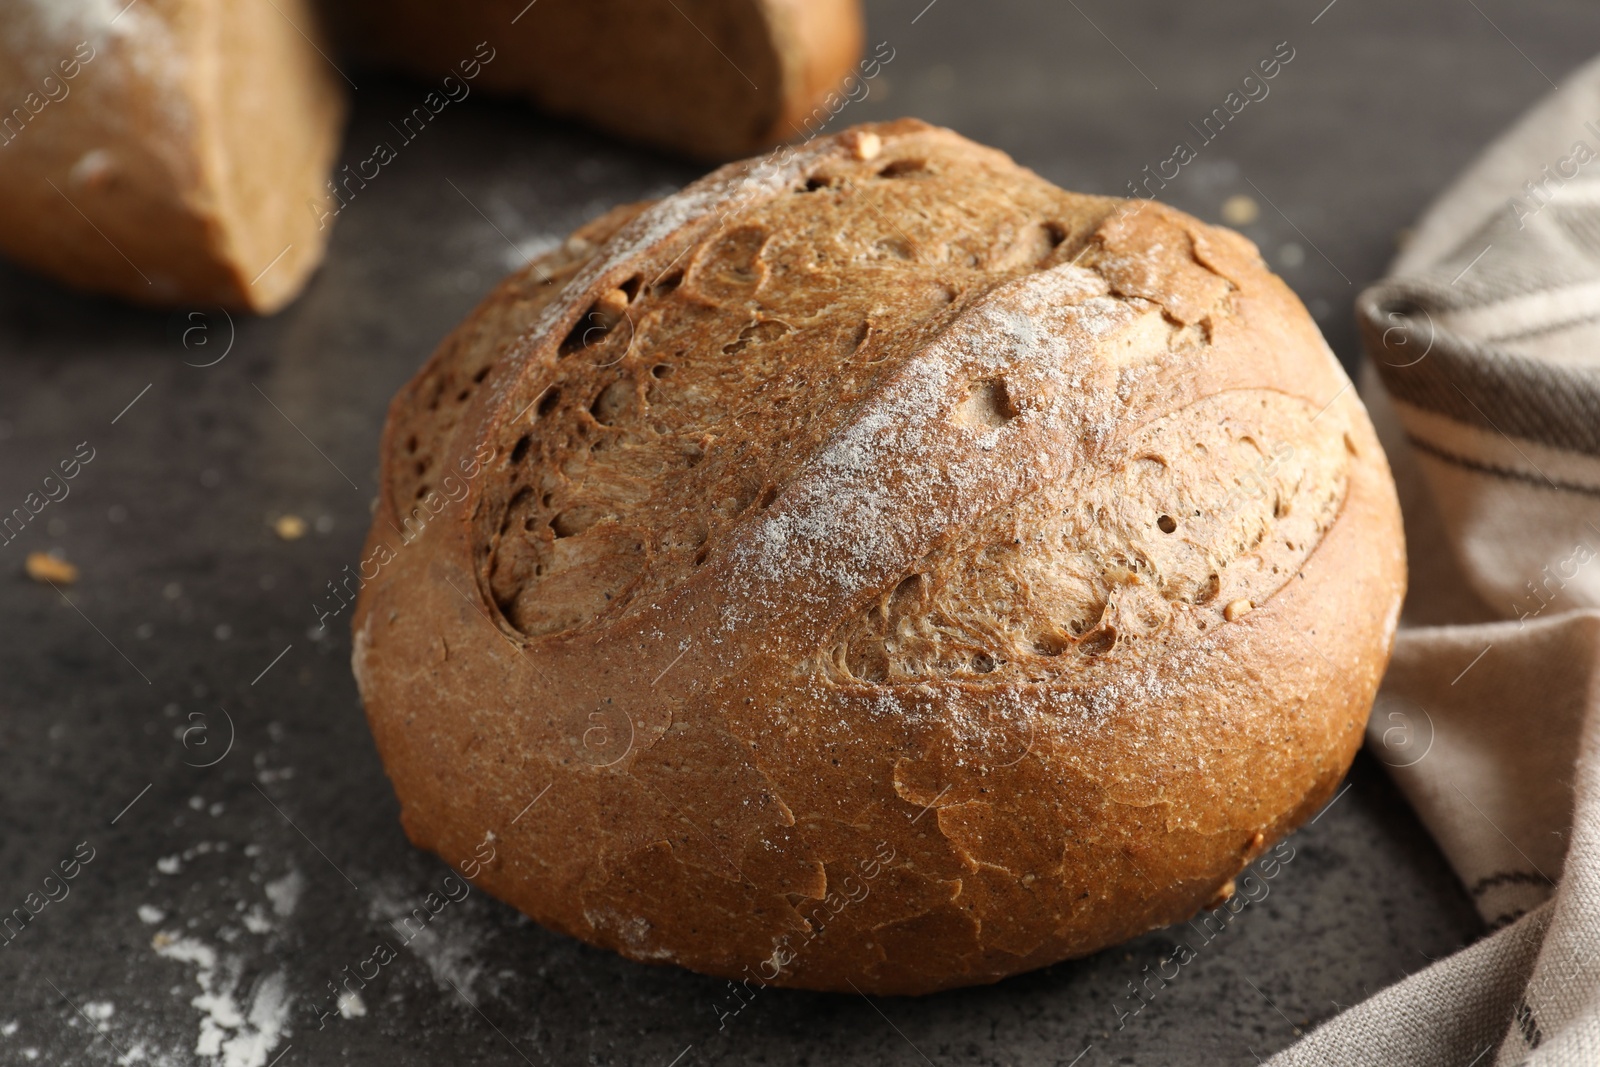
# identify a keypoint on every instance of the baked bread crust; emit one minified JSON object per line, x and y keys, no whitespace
{"x":712,"y":79}
{"x":881,"y":567}
{"x":175,"y":164}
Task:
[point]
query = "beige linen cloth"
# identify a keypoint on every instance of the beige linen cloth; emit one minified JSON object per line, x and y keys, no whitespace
{"x":1483,"y":374}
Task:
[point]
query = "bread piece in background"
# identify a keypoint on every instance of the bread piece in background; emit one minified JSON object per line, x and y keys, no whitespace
{"x":164,"y":150}
{"x":712,"y":79}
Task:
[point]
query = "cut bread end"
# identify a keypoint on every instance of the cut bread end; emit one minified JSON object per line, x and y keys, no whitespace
{"x":710,"y":79}
{"x":176,"y":164}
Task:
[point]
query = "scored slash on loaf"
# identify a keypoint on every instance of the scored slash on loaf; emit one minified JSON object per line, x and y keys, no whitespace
{"x":878,"y":502}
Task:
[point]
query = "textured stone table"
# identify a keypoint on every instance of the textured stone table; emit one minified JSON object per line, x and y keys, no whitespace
{"x":252,"y":883}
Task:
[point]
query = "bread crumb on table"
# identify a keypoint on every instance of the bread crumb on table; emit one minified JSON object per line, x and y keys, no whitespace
{"x":45,"y":568}
{"x":1240,"y":210}
{"x":289,"y":527}
{"x":1238,"y":609}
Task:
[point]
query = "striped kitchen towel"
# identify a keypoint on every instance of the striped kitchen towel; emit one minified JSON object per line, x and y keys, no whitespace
{"x":1483,"y":351}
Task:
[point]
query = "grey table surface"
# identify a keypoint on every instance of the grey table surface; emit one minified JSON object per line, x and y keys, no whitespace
{"x":261,"y":877}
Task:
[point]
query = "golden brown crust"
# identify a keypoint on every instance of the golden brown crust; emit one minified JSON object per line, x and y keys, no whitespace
{"x":712,"y":79}
{"x":899,"y":633}
{"x":180,"y":161}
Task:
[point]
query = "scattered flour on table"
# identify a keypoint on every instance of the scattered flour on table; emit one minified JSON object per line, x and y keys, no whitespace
{"x":244,"y":1002}
{"x":285,"y":893}
{"x":256,"y":921}
{"x":231,"y":1033}
{"x":448,"y":945}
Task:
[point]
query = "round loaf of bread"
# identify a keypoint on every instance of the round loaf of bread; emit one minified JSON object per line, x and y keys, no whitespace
{"x":874,"y":566}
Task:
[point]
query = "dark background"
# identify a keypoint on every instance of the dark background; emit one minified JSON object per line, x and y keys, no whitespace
{"x":187,"y":595}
